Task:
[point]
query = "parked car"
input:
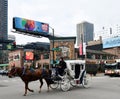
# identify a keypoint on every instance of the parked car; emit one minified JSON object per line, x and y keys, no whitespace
{"x":4,"y":72}
{"x":1,"y":71}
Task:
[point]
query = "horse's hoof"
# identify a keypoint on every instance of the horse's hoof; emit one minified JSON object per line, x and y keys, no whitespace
{"x":24,"y":95}
{"x":32,"y":90}
{"x":48,"y":90}
{"x":39,"y":91}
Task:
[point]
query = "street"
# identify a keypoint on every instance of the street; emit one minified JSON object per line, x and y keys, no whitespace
{"x":102,"y":87}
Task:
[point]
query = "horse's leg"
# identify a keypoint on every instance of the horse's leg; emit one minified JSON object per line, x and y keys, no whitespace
{"x":48,"y":84}
{"x":30,"y":90}
{"x":26,"y":87}
{"x":41,"y":84}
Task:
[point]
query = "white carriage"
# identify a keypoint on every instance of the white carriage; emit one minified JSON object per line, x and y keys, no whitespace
{"x":75,"y":75}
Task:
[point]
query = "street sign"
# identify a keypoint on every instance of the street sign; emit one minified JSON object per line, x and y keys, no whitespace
{"x":56,"y":49}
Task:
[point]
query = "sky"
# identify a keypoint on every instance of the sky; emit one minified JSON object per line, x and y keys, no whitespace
{"x":63,"y":15}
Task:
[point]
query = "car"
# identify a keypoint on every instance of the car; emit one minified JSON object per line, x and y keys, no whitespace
{"x":4,"y":72}
{"x":1,"y":71}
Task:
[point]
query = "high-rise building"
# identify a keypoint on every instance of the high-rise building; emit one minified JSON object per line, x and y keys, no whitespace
{"x":108,"y":32}
{"x":3,"y":19}
{"x":84,"y":32}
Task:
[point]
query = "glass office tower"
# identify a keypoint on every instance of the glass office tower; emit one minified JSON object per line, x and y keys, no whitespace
{"x":84,"y":32}
{"x":3,"y":19}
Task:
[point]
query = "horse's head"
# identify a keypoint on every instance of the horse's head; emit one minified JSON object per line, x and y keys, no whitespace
{"x":12,"y":72}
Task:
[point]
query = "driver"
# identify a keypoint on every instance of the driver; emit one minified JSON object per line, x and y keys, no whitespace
{"x":61,"y":67}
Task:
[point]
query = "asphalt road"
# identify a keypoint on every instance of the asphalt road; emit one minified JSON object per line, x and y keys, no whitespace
{"x":102,"y":87}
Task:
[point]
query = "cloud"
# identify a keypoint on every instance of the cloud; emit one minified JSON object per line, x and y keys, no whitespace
{"x":63,"y":15}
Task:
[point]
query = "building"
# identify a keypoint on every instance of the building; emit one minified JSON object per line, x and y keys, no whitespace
{"x":108,"y":32}
{"x":4,"y":25}
{"x":3,"y":19}
{"x":42,"y":46}
{"x":112,"y":45}
{"x":41,"y":54}
{"x":62,"y":47}
{"x":16,"y":57}
{"x":84,"y":32}
{"x":95,"y":45}
{"x":4,"y":31}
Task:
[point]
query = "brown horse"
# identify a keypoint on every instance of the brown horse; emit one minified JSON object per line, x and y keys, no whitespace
{"x":38,"y":74}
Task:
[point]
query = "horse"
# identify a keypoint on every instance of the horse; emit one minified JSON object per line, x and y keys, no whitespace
{"x":37,"y":74}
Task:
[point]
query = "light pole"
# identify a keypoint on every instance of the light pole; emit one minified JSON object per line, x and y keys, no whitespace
{"x":52,"y":43}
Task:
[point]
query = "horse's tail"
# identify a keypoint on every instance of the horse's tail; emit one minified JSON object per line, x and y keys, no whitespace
{"x":48,"y":77}
{"x":50,"y":72}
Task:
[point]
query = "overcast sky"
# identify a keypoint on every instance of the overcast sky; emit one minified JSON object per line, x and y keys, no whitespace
{"x":63,"y":15}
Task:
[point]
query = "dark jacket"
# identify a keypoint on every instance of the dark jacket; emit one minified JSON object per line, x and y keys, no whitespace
{"x":62,"y":64}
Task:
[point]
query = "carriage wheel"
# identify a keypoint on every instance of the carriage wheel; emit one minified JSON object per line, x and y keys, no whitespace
{"x":65,"y":84}
{"x":54,"y":85}
{"x":72,"y":82}
{"x":86,"y":81}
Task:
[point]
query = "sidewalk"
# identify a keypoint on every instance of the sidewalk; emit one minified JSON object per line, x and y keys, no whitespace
{"x":99,"y":74}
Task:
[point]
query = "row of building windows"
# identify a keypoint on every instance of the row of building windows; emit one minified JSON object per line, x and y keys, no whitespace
{"x":98,"y":56}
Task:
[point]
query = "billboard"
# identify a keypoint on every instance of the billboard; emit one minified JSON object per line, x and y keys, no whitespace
{"x":82,"y":49}
{"x":29,"y":55}
{"x":30,"y":26}
{"x":111,"y":42}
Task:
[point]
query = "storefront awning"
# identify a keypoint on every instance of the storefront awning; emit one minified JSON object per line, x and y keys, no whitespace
{"x":3,"y":65}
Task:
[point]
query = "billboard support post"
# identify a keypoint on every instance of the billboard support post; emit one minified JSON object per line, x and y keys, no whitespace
{"x":53,"y":43}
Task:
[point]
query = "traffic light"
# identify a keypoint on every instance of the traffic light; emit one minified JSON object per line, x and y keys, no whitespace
{"x":14,"y":44}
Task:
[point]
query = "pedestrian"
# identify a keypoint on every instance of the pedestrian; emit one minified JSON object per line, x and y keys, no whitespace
{"x":32,"y":69}
{"x":25,"y":67}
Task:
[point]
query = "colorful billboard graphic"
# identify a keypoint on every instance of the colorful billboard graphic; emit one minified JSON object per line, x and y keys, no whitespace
{"x":29,"y":55}
{"x":111,"y":42}
{"x":30,"y":26}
